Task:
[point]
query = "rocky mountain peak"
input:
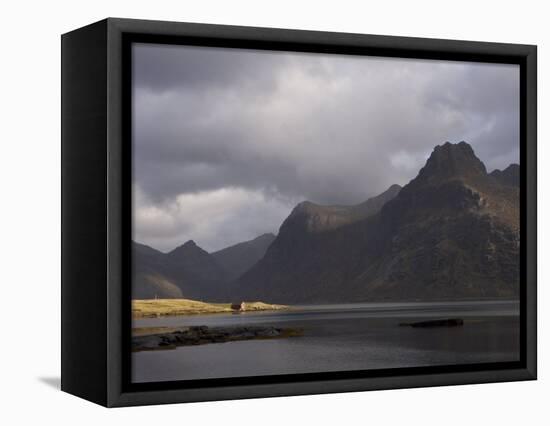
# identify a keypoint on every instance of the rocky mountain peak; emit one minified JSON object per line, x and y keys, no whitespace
{"x":508,"y":176}
{"x":190,"y":243}
{"x":450,"y":160}
{"x":186,"y":248}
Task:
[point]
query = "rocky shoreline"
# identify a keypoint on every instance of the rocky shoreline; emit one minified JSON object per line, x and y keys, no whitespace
{"x":171,"y":338}
{"x":447,"y":322}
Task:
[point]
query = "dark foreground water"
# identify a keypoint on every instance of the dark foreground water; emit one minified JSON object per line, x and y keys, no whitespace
{"x":339,"y":338}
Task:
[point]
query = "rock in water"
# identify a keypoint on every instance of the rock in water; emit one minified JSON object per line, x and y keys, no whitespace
{"x":451,"y":322}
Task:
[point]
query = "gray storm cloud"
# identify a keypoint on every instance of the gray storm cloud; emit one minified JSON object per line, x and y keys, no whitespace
{"x":227,"y":141}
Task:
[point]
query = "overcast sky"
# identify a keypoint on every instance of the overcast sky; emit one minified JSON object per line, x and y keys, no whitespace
{"x":228,"y":141}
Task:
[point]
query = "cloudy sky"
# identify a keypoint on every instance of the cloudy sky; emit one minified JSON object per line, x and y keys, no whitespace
{"x":228,"y":141}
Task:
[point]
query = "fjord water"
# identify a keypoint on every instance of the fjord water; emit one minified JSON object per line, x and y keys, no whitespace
{"x":339,"y":338}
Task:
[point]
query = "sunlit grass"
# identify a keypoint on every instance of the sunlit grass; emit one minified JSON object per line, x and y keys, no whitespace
{"x":163,"y":307}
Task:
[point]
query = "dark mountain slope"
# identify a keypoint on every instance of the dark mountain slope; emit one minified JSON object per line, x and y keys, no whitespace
{"x":317,"y":218}
{"x":239,"y":258}
{"x":508,"y":176}
{"x":312,"y":254}
{"x":149,"y":280}
{"x":195,"y":265}
{"x":188,"y":271}
{"x":451,"y":233}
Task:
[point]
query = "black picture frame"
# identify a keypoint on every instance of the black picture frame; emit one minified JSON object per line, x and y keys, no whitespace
{"x":96,"y":211}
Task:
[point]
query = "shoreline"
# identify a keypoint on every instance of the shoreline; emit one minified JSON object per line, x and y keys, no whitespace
{"x":154,"y":308}
{"x":158,"y":308}
{"x":163,"y":338}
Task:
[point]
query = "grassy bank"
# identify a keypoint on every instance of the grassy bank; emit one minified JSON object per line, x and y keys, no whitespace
{"x":147,"y":308}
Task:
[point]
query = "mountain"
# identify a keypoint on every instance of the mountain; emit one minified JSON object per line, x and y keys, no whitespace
{"x":451,"y":233}
{"x":237,"y":259}
{"x":149,"y":281}
{"x":318,"y":218}
{"x":153,"y":286}
{"x":508,"y":176}
{"x":190,"y":272}
{"x":311,"y":257}
{"x":187,"y":271}
{"x":195,"y":267}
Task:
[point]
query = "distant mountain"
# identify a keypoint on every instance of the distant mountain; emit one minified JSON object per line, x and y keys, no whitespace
{"x":152,"y":286}
{"x":451,"y":233}
{"x":149,"y":280}
{"x":508,"y":176}
{"x":239,"y":258}
{"x":195,"y":267}
{"x":189,"y":271}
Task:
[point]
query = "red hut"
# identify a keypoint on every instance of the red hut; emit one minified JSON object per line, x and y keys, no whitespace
{"x":238,"y":306}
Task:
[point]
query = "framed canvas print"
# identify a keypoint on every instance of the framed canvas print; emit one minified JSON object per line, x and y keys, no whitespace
{"x":253,"y":212}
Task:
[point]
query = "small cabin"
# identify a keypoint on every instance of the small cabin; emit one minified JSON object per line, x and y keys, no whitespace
{"x":238,"y":306}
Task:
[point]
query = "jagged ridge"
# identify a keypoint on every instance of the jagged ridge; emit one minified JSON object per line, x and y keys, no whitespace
{"x":451,"y":233}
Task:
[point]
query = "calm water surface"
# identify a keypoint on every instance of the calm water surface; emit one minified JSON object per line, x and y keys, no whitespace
{"x":339,"y":338}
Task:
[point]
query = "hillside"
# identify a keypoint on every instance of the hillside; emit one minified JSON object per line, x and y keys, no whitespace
{"x":451,"y":233}
{"x":187,"y":271}
{"x":191,"y":272}
{"x":508,"y":176}
{"x":239,"y":258}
